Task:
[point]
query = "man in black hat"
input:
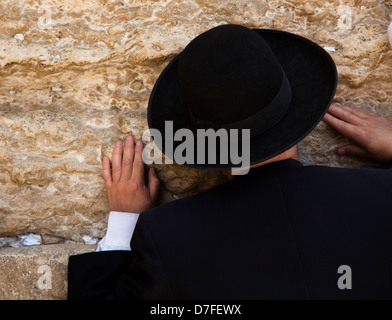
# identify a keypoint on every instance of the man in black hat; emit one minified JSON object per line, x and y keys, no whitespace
{"x":282,"y":231}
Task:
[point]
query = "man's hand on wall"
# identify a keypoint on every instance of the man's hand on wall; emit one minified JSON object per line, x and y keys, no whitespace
{"x":124,"y":180}
{"x":371,"y":133}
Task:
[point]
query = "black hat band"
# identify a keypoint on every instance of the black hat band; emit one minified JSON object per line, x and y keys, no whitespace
{"x":260,"y":121}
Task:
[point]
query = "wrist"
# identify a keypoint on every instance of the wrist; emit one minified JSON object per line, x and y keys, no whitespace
{"x":123,"y":210}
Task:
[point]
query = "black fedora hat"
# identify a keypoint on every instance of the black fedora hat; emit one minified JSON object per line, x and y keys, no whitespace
{"x":277,"y":84}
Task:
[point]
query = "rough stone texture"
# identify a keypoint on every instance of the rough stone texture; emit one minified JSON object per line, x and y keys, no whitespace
{"x":38,"y":272}
{"x":75,"y":76}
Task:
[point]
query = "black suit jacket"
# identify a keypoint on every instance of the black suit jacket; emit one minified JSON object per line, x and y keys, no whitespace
{"x":279,"y":232}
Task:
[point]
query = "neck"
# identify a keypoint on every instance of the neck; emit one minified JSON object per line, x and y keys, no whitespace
{"x":288,"y":154}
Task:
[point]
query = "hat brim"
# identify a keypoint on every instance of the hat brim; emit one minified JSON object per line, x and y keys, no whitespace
{"x":313,"y":78}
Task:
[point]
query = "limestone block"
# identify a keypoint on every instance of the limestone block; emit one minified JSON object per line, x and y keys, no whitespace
{"x":37,"y":272}
{"x":75,"y":76}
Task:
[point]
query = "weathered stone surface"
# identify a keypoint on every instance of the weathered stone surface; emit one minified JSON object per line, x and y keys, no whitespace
{"x":75,"y":76}
{"x":37,"y":272}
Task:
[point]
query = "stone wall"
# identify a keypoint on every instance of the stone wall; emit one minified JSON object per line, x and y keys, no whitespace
{"x":37,"y":272}
{"x":75,"y":76}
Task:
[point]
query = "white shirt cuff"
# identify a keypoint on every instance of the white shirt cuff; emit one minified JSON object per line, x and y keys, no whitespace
{"x":119,"y":232}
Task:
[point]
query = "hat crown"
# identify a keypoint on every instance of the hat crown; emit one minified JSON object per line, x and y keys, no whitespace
{"x":228,"y":74}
